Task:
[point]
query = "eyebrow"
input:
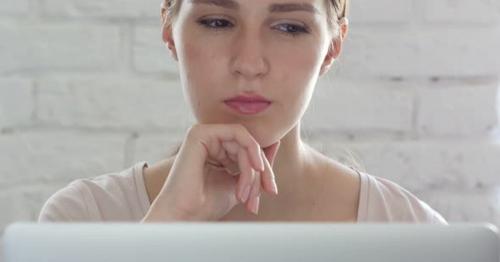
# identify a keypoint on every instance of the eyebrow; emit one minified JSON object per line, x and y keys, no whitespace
{"x":274,"y":8}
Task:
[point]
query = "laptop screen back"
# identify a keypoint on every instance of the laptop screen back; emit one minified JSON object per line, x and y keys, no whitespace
{"x":250,"y":242}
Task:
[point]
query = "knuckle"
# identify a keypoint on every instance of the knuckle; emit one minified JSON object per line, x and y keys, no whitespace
{"x":240,"y":128}
{"x":243,"y":130}
{"x":194,"y":131}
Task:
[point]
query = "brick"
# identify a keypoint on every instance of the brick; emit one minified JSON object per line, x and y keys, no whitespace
{"x":352,"y":105}
{"x":110,"y":102}
{"x":24,"y":203}
{"x":422,"y":165}
{"x":150,"y":53}
{"x":12,"y":210}
{"x":385,"y":11}
{"x":30,"y":47}
{"x":461,"y":11}
{"x":421,"y":52}
{"x":109,"y":8}
{"x":14,"y":7}
{"x":457,"y":108}
{"x":155,"y":147}
{"x":16,"y":102}
{"x":47,"y":156}
{"x":466,"y":206}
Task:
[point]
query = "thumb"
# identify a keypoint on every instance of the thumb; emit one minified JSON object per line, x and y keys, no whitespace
{"x":270,"y":152}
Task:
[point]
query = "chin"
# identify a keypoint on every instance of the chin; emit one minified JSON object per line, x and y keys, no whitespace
{"x":258,"y":130}
{"x":266,"y":140}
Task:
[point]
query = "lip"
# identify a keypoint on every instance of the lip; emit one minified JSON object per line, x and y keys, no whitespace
{"x":248,"y":99}
{"x":248,"y":105}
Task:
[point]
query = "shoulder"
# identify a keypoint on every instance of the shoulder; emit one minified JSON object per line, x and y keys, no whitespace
{"x":112,"y":196}
{"x":67,"y":204}
{"x":384,"y":200}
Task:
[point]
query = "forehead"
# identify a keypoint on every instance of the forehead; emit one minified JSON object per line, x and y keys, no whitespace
{"x":273,"y":6}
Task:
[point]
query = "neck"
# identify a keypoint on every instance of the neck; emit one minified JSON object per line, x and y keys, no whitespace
{"x":293,"y":155}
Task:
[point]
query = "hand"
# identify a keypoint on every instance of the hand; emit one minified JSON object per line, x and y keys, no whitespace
{"x":218,"y":166}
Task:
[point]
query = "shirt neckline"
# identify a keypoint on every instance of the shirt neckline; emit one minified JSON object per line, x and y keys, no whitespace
{"x":363,"y":195}
{"x":142,"y":194}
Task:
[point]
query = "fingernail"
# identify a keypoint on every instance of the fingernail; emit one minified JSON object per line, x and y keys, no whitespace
{"x":255,"y":205}
{"x":275,"y":187}
{"x":246,"y":193}
{"x":262,"y":166}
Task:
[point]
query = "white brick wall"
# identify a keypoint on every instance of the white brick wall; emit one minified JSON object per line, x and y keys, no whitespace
{"x":108,"y":9}
{"x":110,"y":101}
{"x":381,"y":11}
{"x":151,"y":56}
{"x":12,"y":93}
{"x":461,"y":11}
{"x":45,"y":155}
{"x":411,"y":51}
{"x":41,"y":47}
{"x":425,"y":165}
{"x":477,"y":205}
{"x":155,"y":146}
{"x":469,"y":108}
{"x":376,"y":105}
{"x":87,"y":87}
{"x":14,"y":7}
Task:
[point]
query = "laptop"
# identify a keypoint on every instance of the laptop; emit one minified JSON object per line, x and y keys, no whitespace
{"x":250,"y":241}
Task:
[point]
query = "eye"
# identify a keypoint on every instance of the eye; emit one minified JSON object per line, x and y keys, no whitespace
{"x":292,"y":29}
{"x":220,"y":24}
{"x":215,"y":23}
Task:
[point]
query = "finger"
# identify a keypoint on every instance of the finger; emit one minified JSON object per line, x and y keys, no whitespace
{"x":268,"y":178}
{"x":231,"y":162}
{"x":246,"y":176}
{"x":232,"y":149}
{"x":271,"y":151}
{"x":209,"y":136}
{"x":204,"y":141}
{"x":226,"y":157}
{"x":249,"y":199}
{"x":253,"y":203}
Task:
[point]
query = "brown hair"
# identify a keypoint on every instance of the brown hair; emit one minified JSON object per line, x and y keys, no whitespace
{"x":337,"y":11}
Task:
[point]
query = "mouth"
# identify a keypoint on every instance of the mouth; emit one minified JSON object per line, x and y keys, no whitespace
{"x":248,"y":105}
{"x":247,"y":108}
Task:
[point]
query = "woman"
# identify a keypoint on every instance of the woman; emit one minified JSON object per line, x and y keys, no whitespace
{"x":248,"y":69}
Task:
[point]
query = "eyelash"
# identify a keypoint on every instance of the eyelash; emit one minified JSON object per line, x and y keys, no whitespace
{"x":298,"y":30}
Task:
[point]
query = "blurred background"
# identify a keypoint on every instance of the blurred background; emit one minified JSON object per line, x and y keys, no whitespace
{"x":87,"y":88}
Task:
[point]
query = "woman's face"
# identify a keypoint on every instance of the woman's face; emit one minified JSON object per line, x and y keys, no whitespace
{"x":273,"y":48}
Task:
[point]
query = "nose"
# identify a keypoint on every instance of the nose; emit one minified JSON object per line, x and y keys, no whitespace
{"x":248,"y":59}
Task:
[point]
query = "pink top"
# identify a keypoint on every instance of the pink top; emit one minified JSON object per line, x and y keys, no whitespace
{"x":122,"y":197}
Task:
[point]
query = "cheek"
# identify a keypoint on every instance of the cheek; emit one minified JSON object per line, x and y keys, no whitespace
{"x":192,"y":58}
{"x":296,"y":71}
{"x":202,"y":61}
{"x":189,"y":66}
{"x":203,"y":75}
{"x":297,"y":68}
{"x":298,"y":60}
